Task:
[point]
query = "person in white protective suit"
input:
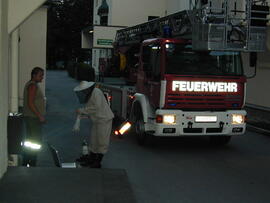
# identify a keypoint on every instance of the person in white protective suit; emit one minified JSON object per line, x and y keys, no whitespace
{"x":99,"y":111}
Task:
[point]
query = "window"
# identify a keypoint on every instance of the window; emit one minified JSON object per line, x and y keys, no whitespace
{"x":146,"y":54}
{"x":132,"y":56}
{"x":155,"y":61}
{"x":181,"y":59}
{"x":151,"y":61}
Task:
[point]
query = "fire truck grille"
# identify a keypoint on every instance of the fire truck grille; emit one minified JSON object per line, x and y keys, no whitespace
{"x":203,"y":101}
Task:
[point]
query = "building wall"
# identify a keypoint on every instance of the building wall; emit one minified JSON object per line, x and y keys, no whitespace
{"x":122,"y":13}
{"x":3,"y":85}
{"x":95,"y":58}
{"x":104,"y":36}
{"x":87,"y":40}
{"x":258,"y":87}
{"x":19,"y":10}
{"x":33,"y":34}
{"x":130,"y":12}
{"x":97,"y":3}
{"x":173,"y":6}
{"x":12,"y":14}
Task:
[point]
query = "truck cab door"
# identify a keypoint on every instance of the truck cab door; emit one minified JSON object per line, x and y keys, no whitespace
{"x":152,"y":75}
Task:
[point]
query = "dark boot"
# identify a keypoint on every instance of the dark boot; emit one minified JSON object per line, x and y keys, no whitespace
{"x":83,"y":158}
{"x":89,"y":160}
{"x":97,"y":162}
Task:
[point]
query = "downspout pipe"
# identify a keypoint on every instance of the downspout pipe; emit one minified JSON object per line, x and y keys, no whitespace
{"x":14,"y":66}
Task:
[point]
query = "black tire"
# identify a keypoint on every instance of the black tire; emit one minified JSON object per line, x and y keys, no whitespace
{"x":139,"y":126}
{"x":219,"y":140}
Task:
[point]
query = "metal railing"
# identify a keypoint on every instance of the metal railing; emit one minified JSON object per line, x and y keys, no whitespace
{"x":226,"y":27}
{"x":231,"y":28}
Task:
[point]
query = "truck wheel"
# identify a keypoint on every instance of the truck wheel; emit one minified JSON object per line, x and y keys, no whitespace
{"x":139,"y":128}
{"x":219,"y":140}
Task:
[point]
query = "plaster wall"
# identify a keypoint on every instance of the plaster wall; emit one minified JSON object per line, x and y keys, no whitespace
{"x":258,"y":87}
{"x":32,"y":47}
{"x":106,"y":33}
{"x":173,"y":6}
{"x":19,"y":10}
{"x":122,"y":13}
{"x":95,"y":60}
{"x":87,"y":40}
{"x":130,"y":12}
{"x":96,"y":5}
{"x":3,"y":85}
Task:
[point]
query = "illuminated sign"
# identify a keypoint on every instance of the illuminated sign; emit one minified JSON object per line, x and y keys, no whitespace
{"x":199,"y":86}
{"x":104,"y":41}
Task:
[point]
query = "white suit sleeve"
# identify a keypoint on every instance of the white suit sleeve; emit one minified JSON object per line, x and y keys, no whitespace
{"x":76,"y":126}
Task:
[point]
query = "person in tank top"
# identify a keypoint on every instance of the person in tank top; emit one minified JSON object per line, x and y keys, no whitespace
{"x":34,"y":116}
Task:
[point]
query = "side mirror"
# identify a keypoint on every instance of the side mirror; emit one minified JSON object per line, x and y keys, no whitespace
{"x":252,"y":59}
{"x":137,"y":55}
{"x":136,"y":66}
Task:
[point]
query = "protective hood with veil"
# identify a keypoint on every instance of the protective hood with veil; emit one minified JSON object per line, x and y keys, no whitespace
{"x":84,"y":91}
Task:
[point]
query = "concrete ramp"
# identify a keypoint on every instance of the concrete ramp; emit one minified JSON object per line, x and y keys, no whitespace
{"x":21,"y":184}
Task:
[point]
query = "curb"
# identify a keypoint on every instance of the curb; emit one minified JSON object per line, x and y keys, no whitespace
{"x":258,"y":129}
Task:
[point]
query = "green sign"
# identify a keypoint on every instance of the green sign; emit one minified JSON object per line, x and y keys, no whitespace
{"x":104,"y":41}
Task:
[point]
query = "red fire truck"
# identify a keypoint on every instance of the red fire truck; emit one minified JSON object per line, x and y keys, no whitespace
{"x":189,"y":73}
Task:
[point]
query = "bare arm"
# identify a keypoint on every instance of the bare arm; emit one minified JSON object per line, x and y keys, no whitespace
{"x":32,"y":90}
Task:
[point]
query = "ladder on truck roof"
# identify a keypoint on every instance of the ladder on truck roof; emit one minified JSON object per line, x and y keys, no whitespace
{"x":216,"y":25}
{"x":179,"y":23}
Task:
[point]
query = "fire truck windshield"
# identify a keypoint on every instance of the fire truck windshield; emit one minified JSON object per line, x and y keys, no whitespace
{"x":181,"y":59}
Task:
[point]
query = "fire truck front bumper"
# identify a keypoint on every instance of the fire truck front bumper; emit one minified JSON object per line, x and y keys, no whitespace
{"x":189,"y":123}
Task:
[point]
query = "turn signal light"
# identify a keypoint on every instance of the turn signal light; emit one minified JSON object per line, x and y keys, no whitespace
{"x":159,"y":119}
{"x":166,"y":119}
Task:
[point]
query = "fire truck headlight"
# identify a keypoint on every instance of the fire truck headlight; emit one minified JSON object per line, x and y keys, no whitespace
{"x":169,"y":119}
{"x":31,"y":145}
{"x":238,"y":119}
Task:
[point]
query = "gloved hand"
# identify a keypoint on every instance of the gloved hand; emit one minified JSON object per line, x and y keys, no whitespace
{"x":76,"y":127}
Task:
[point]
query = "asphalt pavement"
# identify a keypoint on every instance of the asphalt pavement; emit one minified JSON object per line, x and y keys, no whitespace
{"x":61,"y":105}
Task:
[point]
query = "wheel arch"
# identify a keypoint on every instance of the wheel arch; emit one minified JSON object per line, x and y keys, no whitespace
{"x":141,"y":101}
